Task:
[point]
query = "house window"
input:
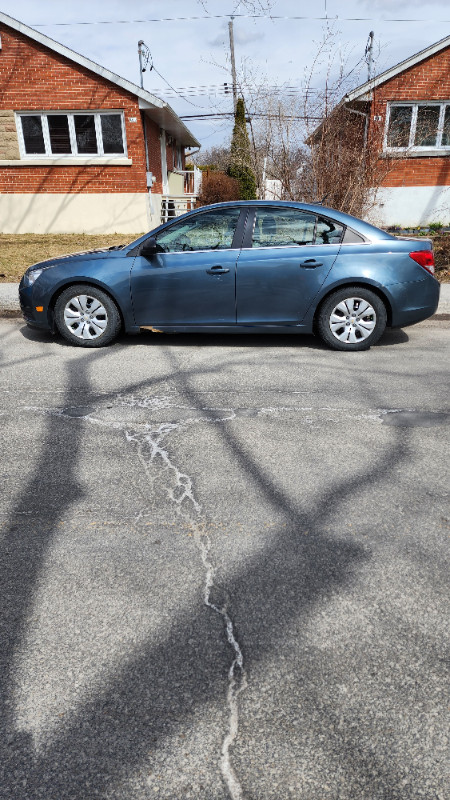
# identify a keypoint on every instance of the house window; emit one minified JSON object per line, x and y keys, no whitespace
{"x":418,"y":126}
{"x":178,"y":156}
{"x":75,"y":134}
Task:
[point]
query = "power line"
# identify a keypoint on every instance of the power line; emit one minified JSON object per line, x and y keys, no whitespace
{"x":227,"y":88}
{"x":254,"y":115}
{"x":273,"y":17}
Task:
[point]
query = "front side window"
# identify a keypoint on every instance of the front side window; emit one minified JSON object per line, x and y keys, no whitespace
{"x":286,"y":227}
{"x":94,"y":134}
{"x":213,"y":230}
{"x":417,"y":126}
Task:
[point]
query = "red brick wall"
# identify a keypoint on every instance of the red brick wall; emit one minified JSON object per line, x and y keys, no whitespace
{"x":33,"y":77}
{"x":429,"y":80}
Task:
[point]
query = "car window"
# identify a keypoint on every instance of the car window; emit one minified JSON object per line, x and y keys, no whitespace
{"x":283,"y":227}
{"x":213,"y":230}
{"x":328,"y":231}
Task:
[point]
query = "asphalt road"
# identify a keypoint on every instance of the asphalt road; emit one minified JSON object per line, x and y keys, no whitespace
{"x":223,"y":569}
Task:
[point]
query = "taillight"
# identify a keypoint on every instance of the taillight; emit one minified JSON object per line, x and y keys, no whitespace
{"x":425,"y":258}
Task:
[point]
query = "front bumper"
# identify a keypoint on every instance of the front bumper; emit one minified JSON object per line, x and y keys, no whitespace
{"x":29,"y":303}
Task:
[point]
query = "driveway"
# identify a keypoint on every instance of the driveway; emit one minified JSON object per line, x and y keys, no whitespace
{"x":223,"y":568}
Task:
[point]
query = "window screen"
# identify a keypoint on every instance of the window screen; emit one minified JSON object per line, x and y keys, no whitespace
{"x":85,"y":133}
{"x":399,"y":126}
{"x":446,"y":131}
{"x":112,"y":133}
{"x":58,"y":128}
{"x":32,"y":135}
{"x":427,"y":126}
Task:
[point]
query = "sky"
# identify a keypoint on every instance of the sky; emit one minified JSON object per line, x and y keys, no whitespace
{"x":194,"y":51}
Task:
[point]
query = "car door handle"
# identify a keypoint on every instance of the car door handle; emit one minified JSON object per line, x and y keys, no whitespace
{"x":311,"y":263}
{"x":217,"y":270}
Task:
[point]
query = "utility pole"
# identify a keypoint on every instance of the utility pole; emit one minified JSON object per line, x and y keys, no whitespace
{"x":369,"y":56}
{"x":233,"y":63}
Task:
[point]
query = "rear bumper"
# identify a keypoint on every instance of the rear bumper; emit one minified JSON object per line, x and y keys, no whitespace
{"x":413,"y":302}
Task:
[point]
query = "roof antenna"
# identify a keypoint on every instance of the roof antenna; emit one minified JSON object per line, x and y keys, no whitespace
{"x":368,"y":54}
{"x":145,"y":57}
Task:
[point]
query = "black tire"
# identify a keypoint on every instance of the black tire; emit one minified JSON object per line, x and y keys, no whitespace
{"x":86,"y":316}
{"x":357,"y":331}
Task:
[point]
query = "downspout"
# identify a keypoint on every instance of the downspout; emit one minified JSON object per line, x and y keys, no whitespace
{"x":147,"y":170}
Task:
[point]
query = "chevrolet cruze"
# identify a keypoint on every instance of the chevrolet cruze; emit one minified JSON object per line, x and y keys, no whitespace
{"x":241,"y":267}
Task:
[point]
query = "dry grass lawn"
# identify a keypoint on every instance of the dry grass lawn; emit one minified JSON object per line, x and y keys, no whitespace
{"x":17,"y":252}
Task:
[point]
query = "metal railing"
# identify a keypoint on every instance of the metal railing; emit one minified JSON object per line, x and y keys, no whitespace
{"x":172,"y":206}
{"x":192,"y":179}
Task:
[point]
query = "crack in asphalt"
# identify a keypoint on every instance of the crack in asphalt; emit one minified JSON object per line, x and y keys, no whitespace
{"x":188,"y":508}
{"x":149,"y":438}
{"x":149,"y":442}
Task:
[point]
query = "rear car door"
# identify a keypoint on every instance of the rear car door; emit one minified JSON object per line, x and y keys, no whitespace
{"x":287,"y":255}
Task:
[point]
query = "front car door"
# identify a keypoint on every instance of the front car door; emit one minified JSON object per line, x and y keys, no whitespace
{"x":287,"y":255}
{"x":191,"y":278}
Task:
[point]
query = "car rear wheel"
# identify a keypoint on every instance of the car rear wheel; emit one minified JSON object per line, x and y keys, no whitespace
{"x":86,"y":316}
{"x":352,"y":319}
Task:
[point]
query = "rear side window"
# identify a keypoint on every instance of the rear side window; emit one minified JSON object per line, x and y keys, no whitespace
{"x":287,"y":227}
{"x":328,"y":231}
{"x":351,"y":237}
{"x":283,"y":227}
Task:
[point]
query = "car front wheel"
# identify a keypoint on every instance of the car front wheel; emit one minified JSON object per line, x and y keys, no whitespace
{"x":352,"y":319}
{"x":87,"y":316}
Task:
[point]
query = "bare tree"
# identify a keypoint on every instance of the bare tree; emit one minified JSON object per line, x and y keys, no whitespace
{"x":312,"y":146}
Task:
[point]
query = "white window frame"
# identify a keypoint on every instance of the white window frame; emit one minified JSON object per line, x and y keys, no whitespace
{"x":411,"y":147}
{"x":44,"y":115}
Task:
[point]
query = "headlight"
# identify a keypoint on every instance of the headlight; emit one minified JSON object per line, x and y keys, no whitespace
{"x":32,"y":276}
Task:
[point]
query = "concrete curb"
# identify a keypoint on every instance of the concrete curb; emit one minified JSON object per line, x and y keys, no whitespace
{"x":10,"y":306}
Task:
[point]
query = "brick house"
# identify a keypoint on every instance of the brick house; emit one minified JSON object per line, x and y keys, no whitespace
{"x":407,"y":119}
{"x":82,"y":149}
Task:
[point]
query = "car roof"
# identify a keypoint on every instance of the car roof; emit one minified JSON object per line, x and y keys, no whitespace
{"x":365,"y":228}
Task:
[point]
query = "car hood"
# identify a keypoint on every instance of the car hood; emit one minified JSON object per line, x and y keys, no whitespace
{"x":69,"y":258}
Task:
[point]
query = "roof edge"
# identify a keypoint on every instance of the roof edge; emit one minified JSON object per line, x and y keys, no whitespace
{"x":103,"y":72}
{"x":366,"y":88}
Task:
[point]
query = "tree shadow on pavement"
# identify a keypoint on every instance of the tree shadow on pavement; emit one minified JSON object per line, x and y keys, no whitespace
{"x":112,"y":733}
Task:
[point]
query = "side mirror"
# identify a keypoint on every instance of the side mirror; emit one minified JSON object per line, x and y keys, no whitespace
{"x":149,"y":248}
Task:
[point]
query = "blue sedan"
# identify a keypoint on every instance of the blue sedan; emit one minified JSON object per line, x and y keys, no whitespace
{"x":242,"y":267}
